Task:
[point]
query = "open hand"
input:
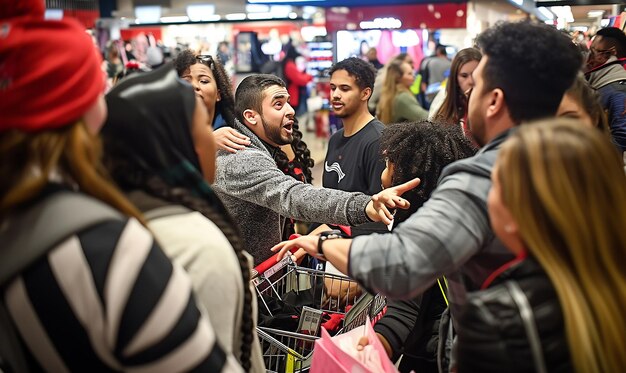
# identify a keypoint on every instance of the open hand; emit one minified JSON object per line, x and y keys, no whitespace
{"x":229,"y":139}
{"x":307,"y":243}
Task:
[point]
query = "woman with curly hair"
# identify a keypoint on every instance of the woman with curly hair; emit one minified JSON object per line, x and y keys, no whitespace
{"x":163,"y":156}
{"x":453,"y":108}
{"x":417,"y":149}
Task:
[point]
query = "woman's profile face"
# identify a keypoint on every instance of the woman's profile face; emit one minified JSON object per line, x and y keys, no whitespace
{"x":407,"y":78}
{"x":502,"y":222}
{"x":570,"y":108}
{"x":95,"y":116}
{"x":464,"y":76}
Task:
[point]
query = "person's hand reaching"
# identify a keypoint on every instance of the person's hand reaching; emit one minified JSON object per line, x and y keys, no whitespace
{"x":229,"y":139}
{"x":381,"y":206}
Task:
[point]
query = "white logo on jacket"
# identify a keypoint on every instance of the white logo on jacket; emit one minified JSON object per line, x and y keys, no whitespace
{"x":336,"y":168}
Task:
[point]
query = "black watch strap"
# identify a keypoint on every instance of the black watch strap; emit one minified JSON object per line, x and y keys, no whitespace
{"x":327,"y":235}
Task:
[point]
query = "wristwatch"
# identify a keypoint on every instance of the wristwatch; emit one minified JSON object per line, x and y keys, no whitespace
{"x":327,"y":235}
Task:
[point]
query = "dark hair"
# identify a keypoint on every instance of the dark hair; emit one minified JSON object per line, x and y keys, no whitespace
{"x":250,"y":92}
{"x":532,"y":63}
{"x":302,"y":159}
{"x":226,"y":104}
{"x":589,"y":100}
{"x":291,"y":53}
{"x":614,"y":37}
{"x":441,"y":49}
{"x":454,"y":106}
{"x":363,"y":72}
{"x":421,"y":149}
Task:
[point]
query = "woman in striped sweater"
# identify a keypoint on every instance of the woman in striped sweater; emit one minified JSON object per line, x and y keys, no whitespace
{"x":106,"y":298}
{"x":163,"y":158}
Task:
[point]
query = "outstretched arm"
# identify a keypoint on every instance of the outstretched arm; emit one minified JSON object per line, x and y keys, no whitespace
{"x":335,"y":251}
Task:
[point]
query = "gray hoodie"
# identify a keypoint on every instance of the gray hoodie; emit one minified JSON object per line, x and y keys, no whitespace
{"x":259,"y":196}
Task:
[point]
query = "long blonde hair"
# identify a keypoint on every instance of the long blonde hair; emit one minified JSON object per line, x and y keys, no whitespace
{"x":71,"y":152}
{"x":564,"y":184}
{"x":384,"y":110}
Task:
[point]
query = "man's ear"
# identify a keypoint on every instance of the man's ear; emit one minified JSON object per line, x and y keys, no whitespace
{"x":366,"y":94}
{"x":497,"y":103}
{"x":249,"y":116}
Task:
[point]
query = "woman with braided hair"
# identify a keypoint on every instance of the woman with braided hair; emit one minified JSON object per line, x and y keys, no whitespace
{"x":164,"y":160}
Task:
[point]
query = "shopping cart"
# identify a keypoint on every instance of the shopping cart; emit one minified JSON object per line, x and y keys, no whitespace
{"x":291,"y":351}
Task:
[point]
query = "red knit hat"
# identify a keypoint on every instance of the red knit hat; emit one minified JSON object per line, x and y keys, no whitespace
{"x":50,"y":73}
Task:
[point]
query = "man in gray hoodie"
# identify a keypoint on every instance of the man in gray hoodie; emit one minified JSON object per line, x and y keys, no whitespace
{"x":260,"y":196}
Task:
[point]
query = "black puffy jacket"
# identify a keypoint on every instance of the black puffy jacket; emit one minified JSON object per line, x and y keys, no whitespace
{"x":515,"y":325}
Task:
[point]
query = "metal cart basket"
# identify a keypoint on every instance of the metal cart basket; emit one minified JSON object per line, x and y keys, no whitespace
{"x":291,"y":351}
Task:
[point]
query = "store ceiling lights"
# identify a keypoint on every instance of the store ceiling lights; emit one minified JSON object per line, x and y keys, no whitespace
{"x":381,"y":23}
{"x":148,"y":14}
{"x":201,"y":12}
{"x":595,"y":13}
{"x":235,"y":16}
{"x":174,"y":19}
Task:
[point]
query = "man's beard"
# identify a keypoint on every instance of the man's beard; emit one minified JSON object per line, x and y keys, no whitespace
{"x":274,"y":133}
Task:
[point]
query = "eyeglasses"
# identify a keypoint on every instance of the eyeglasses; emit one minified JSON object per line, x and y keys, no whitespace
{"x":206,"y":59}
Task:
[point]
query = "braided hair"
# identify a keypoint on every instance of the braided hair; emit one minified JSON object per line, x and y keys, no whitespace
{"x":421,"y":149}
{"x":302,"y":159}
{"x":130,"y":178}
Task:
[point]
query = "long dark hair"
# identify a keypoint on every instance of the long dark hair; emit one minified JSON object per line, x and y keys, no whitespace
{"x":149,"y":147}
{"x":302,"y":159}
{"x":454,"y":106}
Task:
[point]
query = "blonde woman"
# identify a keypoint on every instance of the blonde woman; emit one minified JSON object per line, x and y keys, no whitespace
{"x":397,"y":103}
{"x":558,"y":201}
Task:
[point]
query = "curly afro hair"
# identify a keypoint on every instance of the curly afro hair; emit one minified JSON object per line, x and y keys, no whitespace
{"x":532,"y":63}
{"x":422,"y":149}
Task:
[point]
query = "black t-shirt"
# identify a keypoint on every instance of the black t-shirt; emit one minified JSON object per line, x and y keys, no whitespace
{"x":353,"y":164}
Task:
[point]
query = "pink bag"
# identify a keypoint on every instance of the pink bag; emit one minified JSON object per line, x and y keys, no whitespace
{"x":338,"y":354}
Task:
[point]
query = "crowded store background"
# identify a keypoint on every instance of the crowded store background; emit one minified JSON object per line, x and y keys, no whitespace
{"x":416,"y":187}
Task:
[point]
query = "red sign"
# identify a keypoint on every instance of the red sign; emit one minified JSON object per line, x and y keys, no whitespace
{"x":430,"y":16}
